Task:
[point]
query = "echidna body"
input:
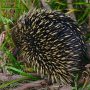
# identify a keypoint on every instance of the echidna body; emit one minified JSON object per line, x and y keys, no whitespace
{"x":53,"y":43}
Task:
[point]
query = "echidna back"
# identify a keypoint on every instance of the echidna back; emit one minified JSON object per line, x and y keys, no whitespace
{"x":53,"y":43}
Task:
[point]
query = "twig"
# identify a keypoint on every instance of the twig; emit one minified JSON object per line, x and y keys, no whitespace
{"x":35,"y":84}
{"x":5,"y":77}
{"x":70,"y":7}
{"x":45,"y":5}
{"x":8,"y":77}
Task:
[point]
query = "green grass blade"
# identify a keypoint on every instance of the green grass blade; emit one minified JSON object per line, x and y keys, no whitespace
{"x":22,"y":73}
{"x":11,"y":82}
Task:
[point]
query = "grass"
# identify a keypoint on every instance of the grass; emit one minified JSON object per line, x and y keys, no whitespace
{"x":11,"y":10}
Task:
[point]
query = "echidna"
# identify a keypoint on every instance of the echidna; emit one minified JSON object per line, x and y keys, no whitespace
{"x":53,"y":43}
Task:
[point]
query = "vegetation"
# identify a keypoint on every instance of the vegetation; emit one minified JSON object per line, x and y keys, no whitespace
{"x":10,"y":11}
